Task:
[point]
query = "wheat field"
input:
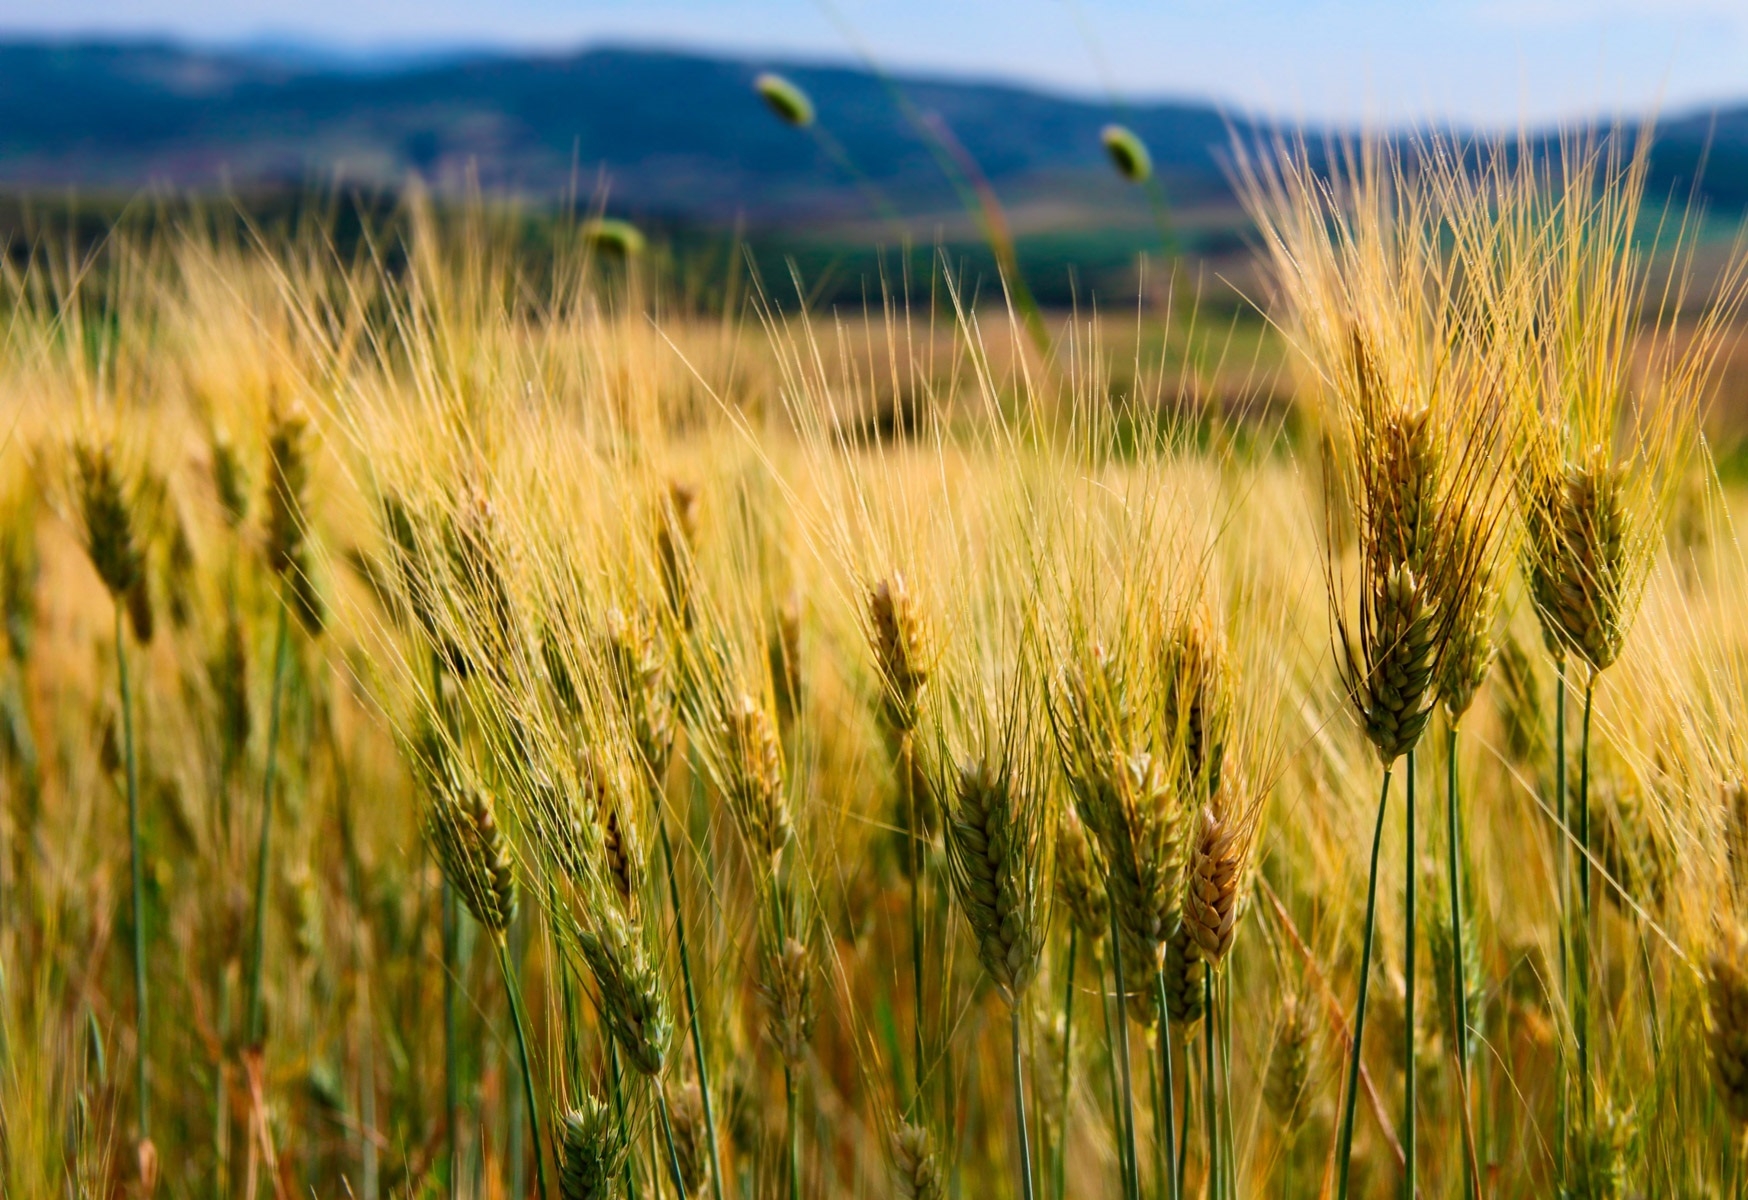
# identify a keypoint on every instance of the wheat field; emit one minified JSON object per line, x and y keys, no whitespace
{"x":478,"y":729}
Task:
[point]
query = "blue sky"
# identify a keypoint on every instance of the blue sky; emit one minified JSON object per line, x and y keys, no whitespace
{"x":1486,"y":61}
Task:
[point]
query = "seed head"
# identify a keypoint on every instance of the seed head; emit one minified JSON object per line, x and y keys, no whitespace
{"x":230,"y":480}
{"x":1735,"y":803}
{"x":784,"y":653}
{"x":287,"y":520}
{"x":996,"y":852}
{"x":916,"y":1174}
{"x":1139,"y":823}
{"x":606,"y":797}
{"x":784,"y":98}
{"x":900,"y":638}
{"x":106,"y":512}
{"x":1470,"y":607}
{"x":639,"y":677}
{"x":1403,"y":491}
{"x":1197,"y":698}
{"x":686,"y":1111}
{"x":1590,"y":576}
{"x":1288,"y":1081}
{"x":20,"y":568}
{"x":1389,"y":676}
{"x":1080,"y":878}
{"x":753,"y":778}
{"x":676,"y":537}
{"x":1128,"y":153}
{"x":1727,"y":1018}
{"x":1134,"y":812}
{"x":616,"y":238}
{"x":462,"y":827}
{"x":228,"y":674}
{"x":1636,"y":863}
{"x":592,"y":1150}
{"x":787,"y":990}
{"x":1216,"y":865}
{"x":1444,"y":973}
{"x":1184,"y":968}
{"x":632,"y":1000}
{"x":1519,"y":703}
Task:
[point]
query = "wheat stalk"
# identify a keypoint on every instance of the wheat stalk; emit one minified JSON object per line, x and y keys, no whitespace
{"x":112,"y":544}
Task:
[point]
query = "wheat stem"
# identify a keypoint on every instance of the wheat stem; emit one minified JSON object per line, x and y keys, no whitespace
{"x":916,"y":921}
{"x":792,"y":1116}
{"x":1344,"y":1154}
{"x":1410,"y":1136}
{"x":451,"y":1041}
{"x":141,"y":1024}
{"x":1230,"y":1140}
{"x":1459,"y":969}
{"x":673,"y":1151}
{"x":1060,"y":1166}
{"x":1131,"y":1180}
{"x":1581,"y":942}
{"x":619,"y":1109}
{"x":1210,"y":1104}
{"x":1562,"y":832}
{"x":1111,"y":1071}
{"x":1170,"y":1084}
{"x":1020,"y":1105}
{"x":257,"y":1030}
{"x":691,"y":1012}
{"x":521,"y":1023}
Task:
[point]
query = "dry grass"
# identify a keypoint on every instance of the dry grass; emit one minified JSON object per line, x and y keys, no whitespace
{"x":822,"y":684}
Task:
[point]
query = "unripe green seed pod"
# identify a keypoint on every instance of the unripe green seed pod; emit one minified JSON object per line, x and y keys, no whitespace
{"x":1128,"y":153}
{"x":785,"y":99}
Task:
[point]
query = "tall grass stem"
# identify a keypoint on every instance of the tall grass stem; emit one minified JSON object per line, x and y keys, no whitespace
{"x":1344,"y":1151}
{"x":691,"y":1012}
{"x":1020,"y":1105}
{"x":1131,"y":1179}
{"x":1410,"y":929}
{"x":257,"y":1029}
{"x":521,"y":1023}
{"x":1459,"y":968}
{"x":142,"y":1024}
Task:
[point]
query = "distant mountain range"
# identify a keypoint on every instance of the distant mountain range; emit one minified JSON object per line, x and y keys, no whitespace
{"x":668,"y":135}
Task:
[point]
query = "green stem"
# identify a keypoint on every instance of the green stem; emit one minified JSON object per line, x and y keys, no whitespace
{"x":792,"y":1106}
{"x":1158,"y":1143}
{"x":1131,"y":1180}
{"x":673,"y":1151}
{"x":513,"y":1136}
{"x":1060,"y":1166}
{"x":257,"y":1029}
{"x":1229,"y":1139}
{"x":1459,"y":968}
{"x":1169,"y":1118}
{"x":1581,"y":943}
{"x":141,"y":1025}
{"x":451,"y":1040}
{"x":1565,"y":889}
{"x":1344,"y":1153}
{"x":619,"y":1108}
{"x":521,"y":1023}
{"x":1111,"y":1070}
{"x":1410,"y":872}
{"x":1210,"y":1104}
{"x":1183,"y":1125}
{"x":691,"y":1012}
{"x":1651,"y":1015}
{"x":912,"y":838}
{"x":1020,"y":1105}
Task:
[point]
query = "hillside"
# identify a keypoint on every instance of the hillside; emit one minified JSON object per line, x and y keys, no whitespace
{"x":667,"y":134}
